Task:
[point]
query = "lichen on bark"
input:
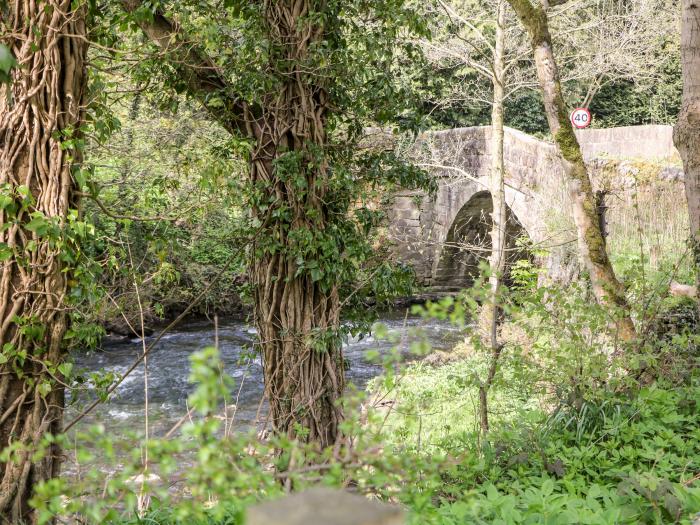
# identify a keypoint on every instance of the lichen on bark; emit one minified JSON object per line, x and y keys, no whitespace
{"x":606,"y":288}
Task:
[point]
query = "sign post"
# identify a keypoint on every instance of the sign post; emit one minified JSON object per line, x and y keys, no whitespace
{"x":580,"y":118}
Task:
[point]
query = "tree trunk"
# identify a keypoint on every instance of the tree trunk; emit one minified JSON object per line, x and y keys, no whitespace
{"x":686,"y":133}
{"x":497,"y":260}
{"x":46,"y":104}
{"x":606,"y":288}
{"x":297,"y":313}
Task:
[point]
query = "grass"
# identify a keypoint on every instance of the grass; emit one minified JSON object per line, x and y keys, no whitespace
{"x":434,"y":405}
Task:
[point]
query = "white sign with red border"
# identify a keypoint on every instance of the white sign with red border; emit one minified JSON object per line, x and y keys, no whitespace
{"x":580,"y":118}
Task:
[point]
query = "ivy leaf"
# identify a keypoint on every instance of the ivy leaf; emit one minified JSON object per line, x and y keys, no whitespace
{"x":38,"y":225}
{"x":44,"y":388}
{"x":5,"y":252}
{"x":65,"y":369}
{"x":7,"y":62}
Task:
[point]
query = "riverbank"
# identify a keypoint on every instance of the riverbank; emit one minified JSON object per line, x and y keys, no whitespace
{"x":122,"y":329}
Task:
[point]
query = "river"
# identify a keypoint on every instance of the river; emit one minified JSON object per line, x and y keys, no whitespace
{"x":169,"y":368}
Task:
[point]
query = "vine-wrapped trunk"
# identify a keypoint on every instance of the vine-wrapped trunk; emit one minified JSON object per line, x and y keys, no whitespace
{"x":591,"y":243}
{"x":686,"y":133}
{"x":297,"y":313}
{"x":44,"y":105}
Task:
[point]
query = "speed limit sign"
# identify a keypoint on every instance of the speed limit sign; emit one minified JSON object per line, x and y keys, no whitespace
{"x":580,"y":118}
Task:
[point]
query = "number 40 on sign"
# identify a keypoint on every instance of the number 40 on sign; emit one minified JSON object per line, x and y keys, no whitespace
{"x":580,"y":118}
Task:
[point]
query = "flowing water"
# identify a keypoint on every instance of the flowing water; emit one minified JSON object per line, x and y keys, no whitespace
{"x":169,"y":368}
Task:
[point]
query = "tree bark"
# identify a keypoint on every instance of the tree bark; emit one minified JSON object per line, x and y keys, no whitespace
{"x":497,"y":260}
{"x":686,"y":133}
{"x":297,"y":315}
{"x":45,"y":107}
{"x":591,"y":243}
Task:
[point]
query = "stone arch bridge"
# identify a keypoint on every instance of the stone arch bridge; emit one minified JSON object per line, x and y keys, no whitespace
{"x":444,"y":236}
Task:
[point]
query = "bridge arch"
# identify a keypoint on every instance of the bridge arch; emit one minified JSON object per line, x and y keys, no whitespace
{"x":468,"y":242}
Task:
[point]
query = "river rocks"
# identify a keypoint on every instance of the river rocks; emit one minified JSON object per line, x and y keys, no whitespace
{"x":119,"y":329}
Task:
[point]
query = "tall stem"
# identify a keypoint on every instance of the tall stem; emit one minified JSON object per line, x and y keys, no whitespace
{"x":497,"y":262}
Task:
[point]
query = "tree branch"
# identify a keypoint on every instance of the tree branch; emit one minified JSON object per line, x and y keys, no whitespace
{"x":200,"y":74}
{"x":134,"y":218}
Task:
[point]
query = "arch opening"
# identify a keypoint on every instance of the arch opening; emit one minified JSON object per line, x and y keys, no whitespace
{"x":468,"y":242}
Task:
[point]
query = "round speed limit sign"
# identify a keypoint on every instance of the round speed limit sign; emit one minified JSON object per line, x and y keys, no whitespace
{"x":581,"y":118}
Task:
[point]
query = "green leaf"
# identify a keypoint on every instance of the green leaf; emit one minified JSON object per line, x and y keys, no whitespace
{"x":547,"y":487}
{"x":7,"y":61}
{"x":5,"y":252}
{"x":65,"y":369}
{"x":39,"y":225}
{"x":44,"y":388}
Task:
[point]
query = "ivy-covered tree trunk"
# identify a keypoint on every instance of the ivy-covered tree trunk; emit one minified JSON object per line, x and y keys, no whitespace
{"x":591,"y":243}
{"x":686,"y":133}
{"x":44,"y":107}
{"x":297,"y":313}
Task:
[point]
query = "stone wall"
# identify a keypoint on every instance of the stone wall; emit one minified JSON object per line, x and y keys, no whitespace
{"x":652,"y":142}
{"x":461,"y":161}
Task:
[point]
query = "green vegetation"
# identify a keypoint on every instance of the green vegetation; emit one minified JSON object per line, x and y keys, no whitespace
{"x":237,"y":160}
{"x":578,"y":432}
{"x":165,"y":197}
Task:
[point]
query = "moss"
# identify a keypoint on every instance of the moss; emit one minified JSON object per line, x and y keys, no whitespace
{"x":596,"y":244}
{"x":534,"y":18}
{"x":680,"y":302}
{"x":567,"y":143}
{"x":645,"y":172}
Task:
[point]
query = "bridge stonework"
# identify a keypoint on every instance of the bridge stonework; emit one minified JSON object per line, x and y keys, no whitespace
{"x":429,"y":232}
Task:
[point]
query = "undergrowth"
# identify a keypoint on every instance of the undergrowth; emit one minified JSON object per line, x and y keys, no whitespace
{"x":583,"y":429}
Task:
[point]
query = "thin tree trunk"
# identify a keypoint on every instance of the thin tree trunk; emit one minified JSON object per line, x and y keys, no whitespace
{"x":46,"y":104}
{"x":606,"y":288}
{"x":686,"y":133}
{"x":497,"y":261}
